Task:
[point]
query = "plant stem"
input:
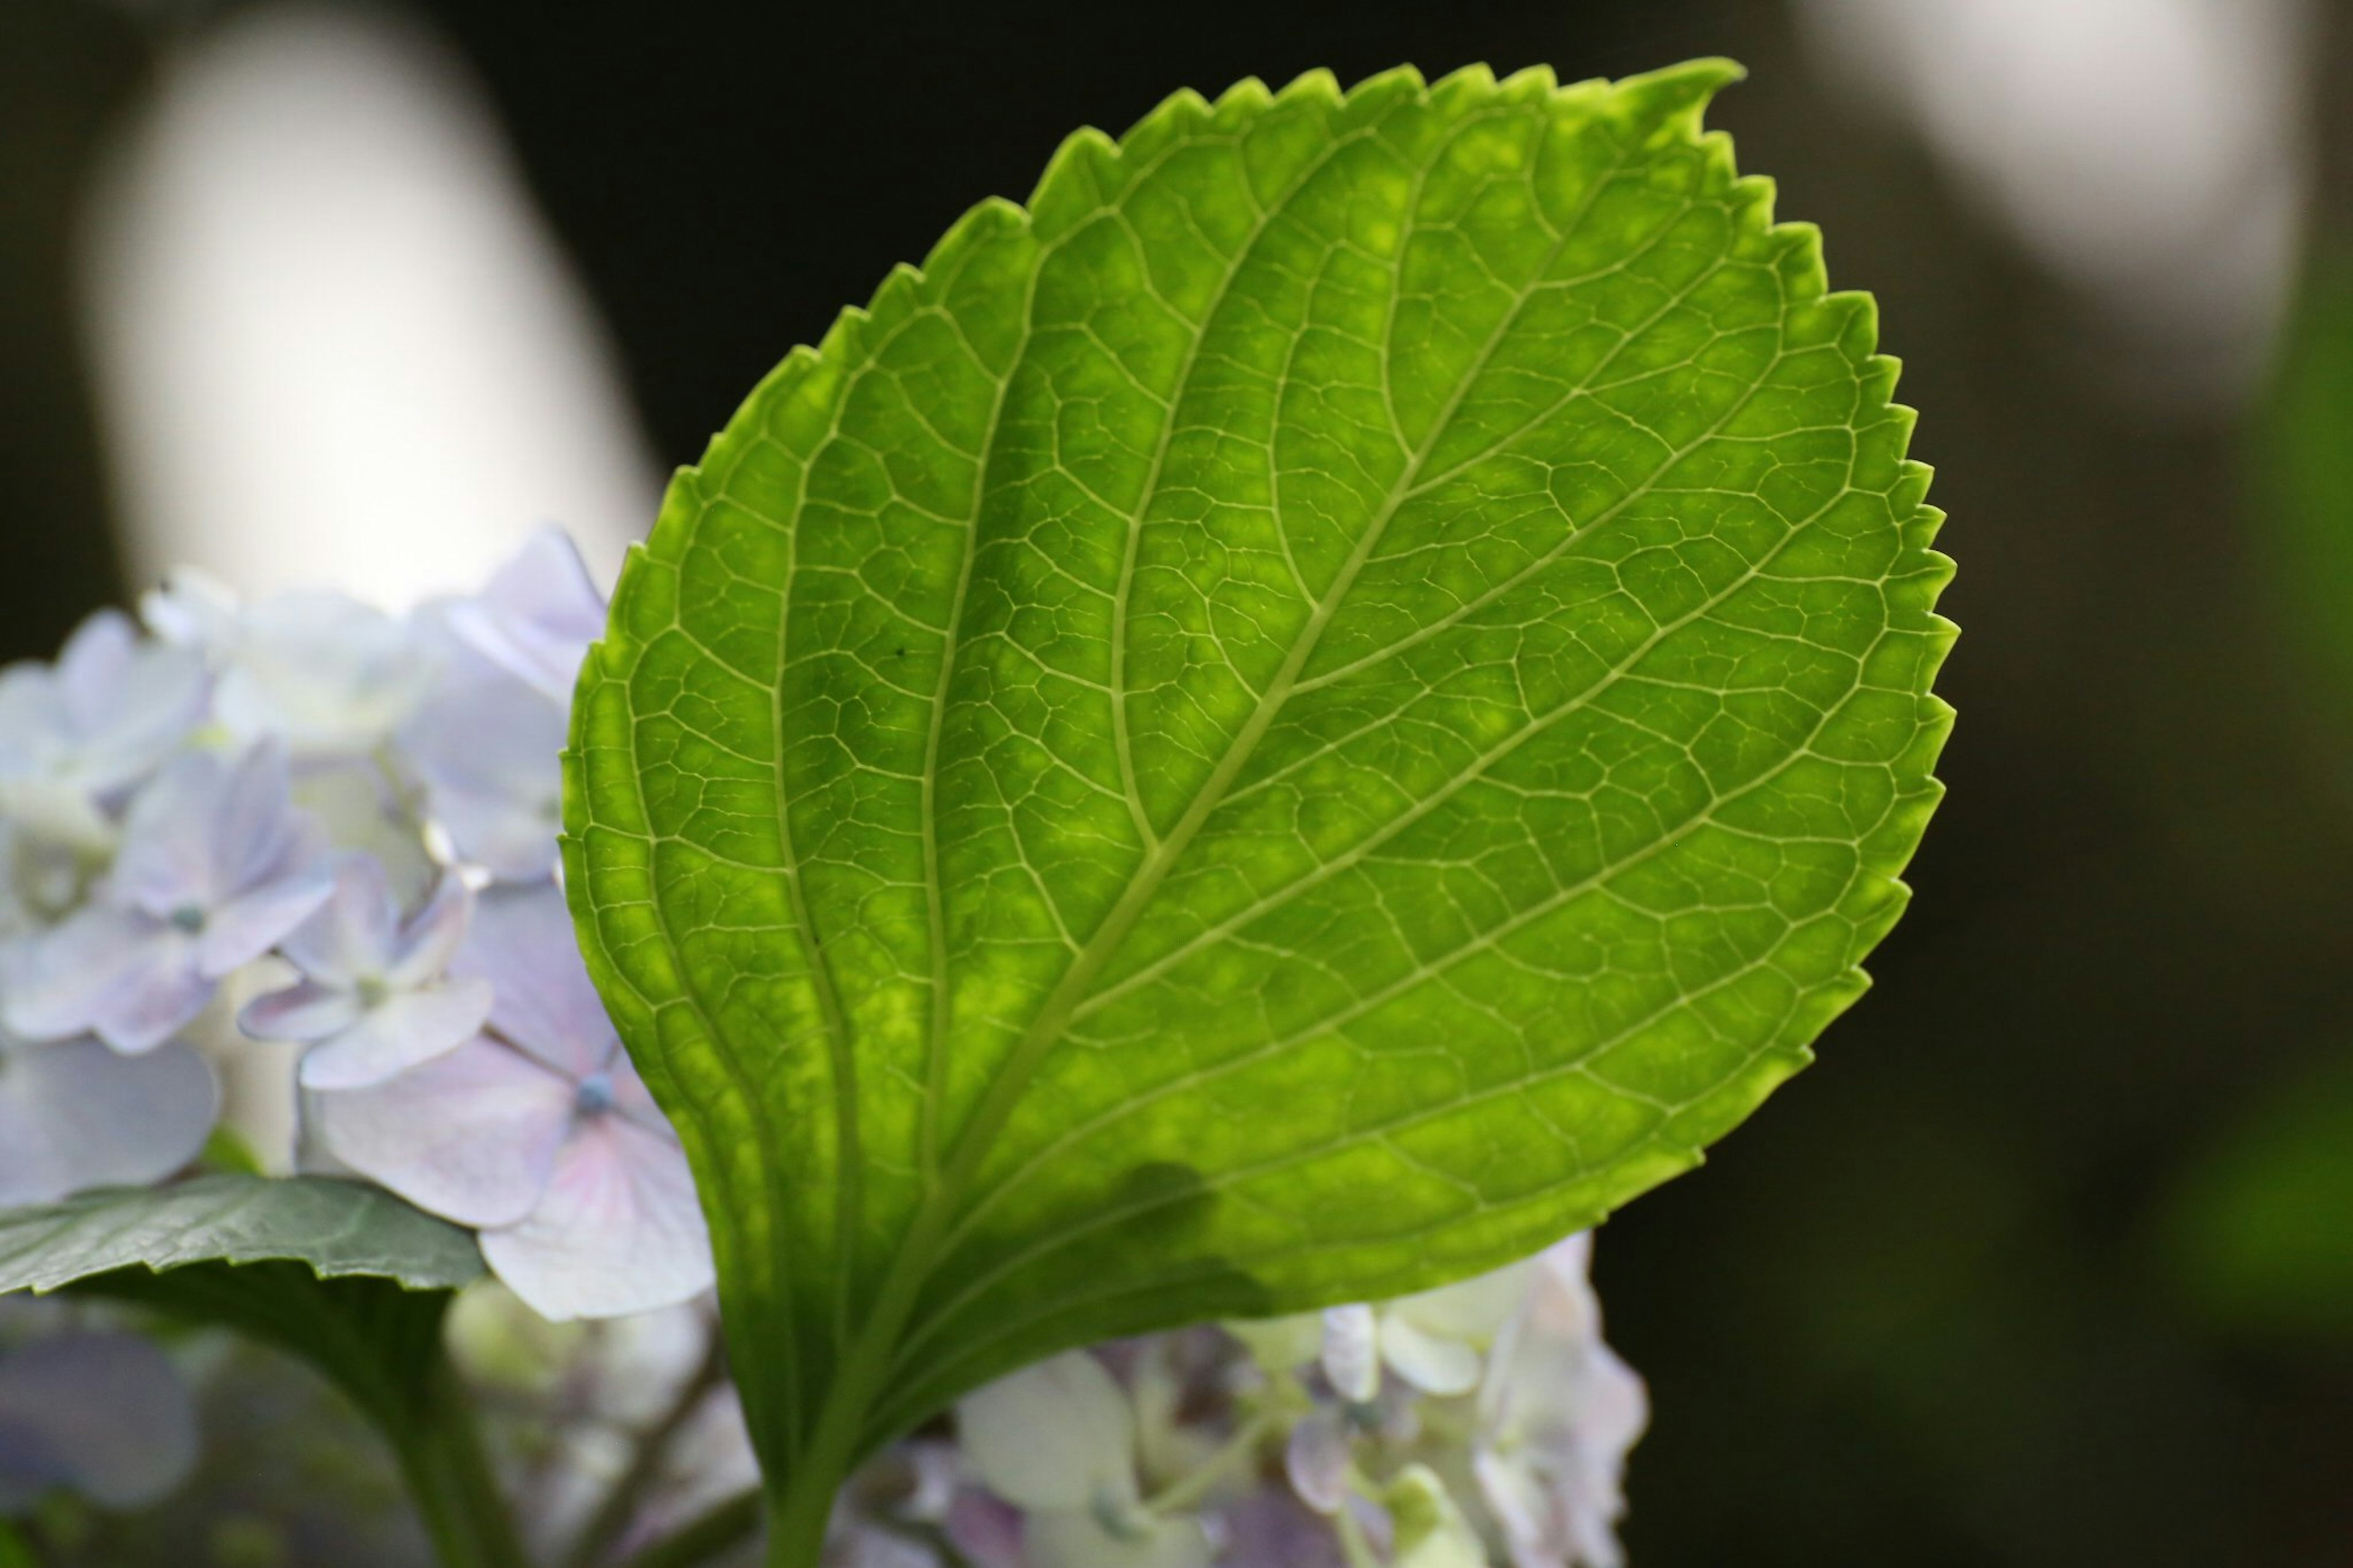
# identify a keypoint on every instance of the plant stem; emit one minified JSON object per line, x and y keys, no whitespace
{"x":449,"y":1476}
{"x":727,"y":1526}
{"x":611,"y":1520}
{"x":796,"y":1524}
{"x":1195,"y":1484}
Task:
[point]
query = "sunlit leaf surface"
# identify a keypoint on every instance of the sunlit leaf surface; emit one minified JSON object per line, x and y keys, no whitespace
{"x":1302,"y":717}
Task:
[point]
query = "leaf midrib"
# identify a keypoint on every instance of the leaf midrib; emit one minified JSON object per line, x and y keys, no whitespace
{"x":1045,"y":1028}
{"x":1552,"y":901}
{"x":1356,"y":853}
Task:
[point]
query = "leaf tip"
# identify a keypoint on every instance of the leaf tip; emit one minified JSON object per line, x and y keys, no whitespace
{"x":1677,"y":96}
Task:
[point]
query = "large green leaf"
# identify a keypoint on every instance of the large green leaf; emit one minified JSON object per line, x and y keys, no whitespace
{"x":1305,"y":715}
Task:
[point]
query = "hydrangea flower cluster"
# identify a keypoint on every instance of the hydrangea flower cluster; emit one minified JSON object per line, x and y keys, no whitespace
{"x":1483,"y":1423}
{"x":306,"y":821}
{"x":346,"y":820}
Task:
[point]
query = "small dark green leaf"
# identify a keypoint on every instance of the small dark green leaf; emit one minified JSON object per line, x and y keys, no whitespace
{"x":346,"y":1277}
{"x":332,"y":1228}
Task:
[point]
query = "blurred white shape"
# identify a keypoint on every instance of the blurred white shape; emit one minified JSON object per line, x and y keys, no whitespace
{"x":2153,"y":152}
{"x":334,"y":342}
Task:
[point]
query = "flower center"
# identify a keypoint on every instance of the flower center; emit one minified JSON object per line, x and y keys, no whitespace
{"x":371,"y":991}
{"x":188,"y":918}
{"x":595,"y":1095}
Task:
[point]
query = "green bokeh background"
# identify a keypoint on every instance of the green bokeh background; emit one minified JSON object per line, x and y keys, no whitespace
{"x":2049,"y":1261}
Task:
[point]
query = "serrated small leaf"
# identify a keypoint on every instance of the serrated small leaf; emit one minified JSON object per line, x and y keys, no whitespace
{"x":332,"y":1228}
{"x":345,"y":1277}
{"x":1308,"y":713}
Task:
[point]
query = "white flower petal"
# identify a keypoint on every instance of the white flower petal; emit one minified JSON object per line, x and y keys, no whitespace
{"x":252,"y":826}
{"x":431,"y":937}
{"x":93,"y":663}
{"x":489,"y":749}
{"x":350,"y":808}
{"x":522,"y":943}
{"x":56,"y":984}
{"x":250,"y":924}
{"x":166,"y":862}
{"x":618,"y":1231}
{"x":328,"y":675}
{"x":1434,"y":1365}
{"x":1472,"y":1310}
{"x":1316,"y":1460}
{"x":1351,"y":1354}
{"x":1557,"y":1413}
{"x":472,"y":1136}
{"x":102,"y":719}
{"x":75,"y":1114}
{"x":406,"y":1028}
{"x":1059,"y":1435}
{"x":353,"y":933}
{"x":537,"y":615}
{"x":306,"y":1010}
{"x":130,"y":979}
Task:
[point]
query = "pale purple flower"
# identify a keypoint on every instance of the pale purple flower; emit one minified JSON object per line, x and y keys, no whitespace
{"x":1058,"y":1440}
{"x":373,"y":999}
{"x":538,"y":1131}
{"x":75,"y":1114}
{"x":1557,"y":1412}
{"x":537,"y":615}
{"x":104,"y":1415}
{"x":488,"y":748}
{"x":215,"y":869}
{"x":325,"y":674}
{"x":77,"y":736}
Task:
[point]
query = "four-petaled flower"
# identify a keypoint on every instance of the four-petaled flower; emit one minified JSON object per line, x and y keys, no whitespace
{"x":1058,"y":1440}
{"x":216,"y":867}
{"x":372,"y":1000}
{"x":538,"y":1131}
{"x":76,"y":736}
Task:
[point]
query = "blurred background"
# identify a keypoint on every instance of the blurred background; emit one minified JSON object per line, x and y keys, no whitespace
{"x":2050,"y":1259}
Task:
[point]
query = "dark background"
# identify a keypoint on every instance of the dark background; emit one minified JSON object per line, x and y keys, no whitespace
{"x":1963,"y":1293}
